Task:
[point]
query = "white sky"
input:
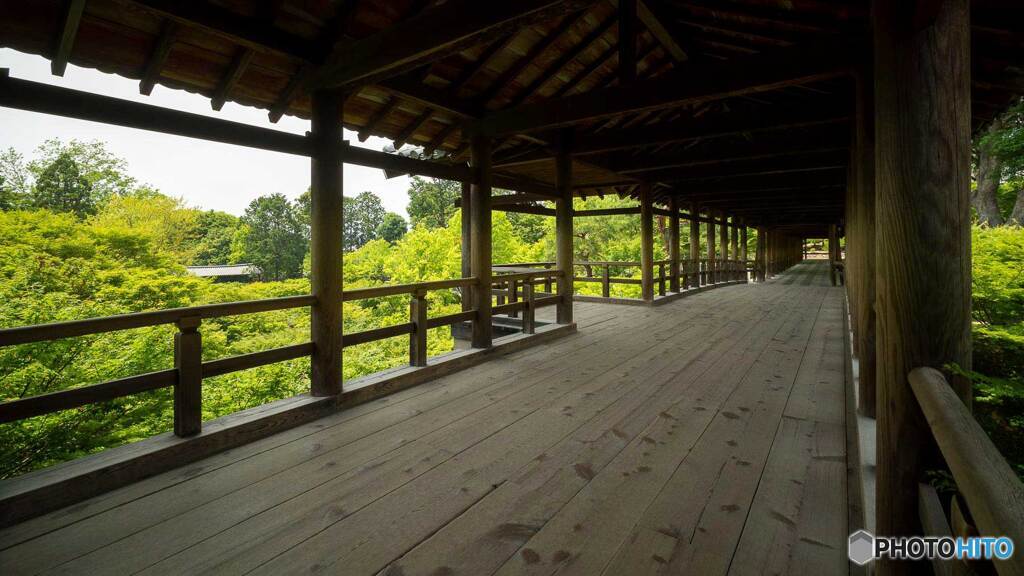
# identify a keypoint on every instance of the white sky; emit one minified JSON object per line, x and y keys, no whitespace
{"x":207,"y":175}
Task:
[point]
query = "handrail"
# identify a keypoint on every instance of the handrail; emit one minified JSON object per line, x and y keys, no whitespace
{"x":58,"y":330}
{"x":190,"y":370}
{"x":993,"y":492}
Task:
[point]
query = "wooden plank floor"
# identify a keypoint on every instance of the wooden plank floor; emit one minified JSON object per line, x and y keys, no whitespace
{"x":705,"y":436}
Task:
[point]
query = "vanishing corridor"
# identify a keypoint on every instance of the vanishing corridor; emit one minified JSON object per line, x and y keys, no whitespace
{"x":705,"y":436}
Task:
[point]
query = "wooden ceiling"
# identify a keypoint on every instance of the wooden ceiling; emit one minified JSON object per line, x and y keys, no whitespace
{"x":742,"y":105}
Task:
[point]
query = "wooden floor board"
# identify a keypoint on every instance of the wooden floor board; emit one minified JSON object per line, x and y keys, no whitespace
{"x":702,"y":436}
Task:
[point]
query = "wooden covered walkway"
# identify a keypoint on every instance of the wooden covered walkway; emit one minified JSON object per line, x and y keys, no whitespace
{"x":706,"y":436}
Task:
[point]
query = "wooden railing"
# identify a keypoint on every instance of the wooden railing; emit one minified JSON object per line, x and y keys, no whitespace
{"x":993,"y":493}
{"x":189,"y":369}
{"x":692,"y":273}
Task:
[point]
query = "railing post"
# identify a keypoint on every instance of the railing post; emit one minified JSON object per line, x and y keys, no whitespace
{"x":710,"y":267}
{"x":529,"y":313}
{"x":606,"y":281}
{"x":188,"y":390}
{"x":418,"y":338}
{"x":694,"y":245}
{"x":661,"y":279}
{"x":513,"y":296}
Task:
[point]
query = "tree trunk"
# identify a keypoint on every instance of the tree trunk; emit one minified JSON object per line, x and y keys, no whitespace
{"x":1017,"y":216}
{"x":983,"y":198}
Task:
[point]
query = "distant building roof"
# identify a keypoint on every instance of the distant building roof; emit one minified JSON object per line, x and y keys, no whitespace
{"x":216,"y":270}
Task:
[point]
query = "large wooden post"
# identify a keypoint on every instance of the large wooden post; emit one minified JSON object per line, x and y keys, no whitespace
{"x":711,"y":247}
{"x":833,"y":252}
{"x":646,"y":243}
{"x":694,"y":245}
{"x":325,"y":222}
{"x":723,"y":233}
{"x":743,"y":251}
{"x":467,"y":246}
{"x":734,"y":251}
{"x":673,"y":244}
{"x":480,"y":237}
{"x":563,"y":234}
{"x":923,"y":253}
{"x":864,"y":241}
{"x":761,"y":255}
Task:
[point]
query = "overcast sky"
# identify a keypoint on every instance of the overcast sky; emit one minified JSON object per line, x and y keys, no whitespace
{"x":206,"y":174}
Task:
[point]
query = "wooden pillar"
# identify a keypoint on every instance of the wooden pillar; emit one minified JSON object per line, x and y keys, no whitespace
{"x":563,"y":234}
{"x":761,"y":254}
{"x":864,"y":241}
{"x":646,"y":243}
{"x":480,"y":237}
{"x":325,"y":221}
{"x":734,"y":251}
{"x":833,"y":252}
{"x":711,"y":247}
{"x":694,"y":245}
{"x":743,"y":251}
{"x":467,"y":246}
{"x":723,"y":233}
{"x":673,"y":245}
{"x":923,"y":251}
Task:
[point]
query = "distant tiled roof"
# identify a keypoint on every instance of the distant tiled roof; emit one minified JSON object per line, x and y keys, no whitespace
{"x":224,"y":270}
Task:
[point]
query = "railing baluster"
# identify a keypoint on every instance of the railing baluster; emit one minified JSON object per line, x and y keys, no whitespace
{"x":513,"y":296}
{"x":418,"y":338}
{"x":606,"y":281}
{"x":529,"y":317}
{"x":188,"y":390}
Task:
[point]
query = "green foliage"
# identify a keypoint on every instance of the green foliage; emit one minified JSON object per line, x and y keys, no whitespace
{"x":275,"y":238}
{"x":999,"y":351}
{"x":392,"y":227}
{"x":14,"y":186}
{"x":998,"y":275}
{"x":165,"y":220}
{"x":1008,"y":143}
{"x":106,"y":174}
{"x":433,"y":202}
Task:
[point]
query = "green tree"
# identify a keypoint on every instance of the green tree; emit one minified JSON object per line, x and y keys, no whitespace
{"x":392,"y":227}
{"x":275,"y":239}
{"x":363,"y":216}
{"x":61,"y":187}
{"x":106,"y":173}
{"x":14,"y":185}
{"x":215,"y":231}
{"x":433,"y":202}
{"x":167,"y":221}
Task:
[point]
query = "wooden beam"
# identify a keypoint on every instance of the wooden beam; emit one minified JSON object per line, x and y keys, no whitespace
{"x":525,"y":209}
{"x":234,"y":73}
{"x":691,"y":83}
{"x":290,"y":92}
{"x":66,"y":37}
{"x":412,"y":127}
{"x":158,"y":56}
{"x":760,"y":166}
{"x":47,"y":99}
{"x":627,"y":40}
{"x":436,"y":33}
{"x":690,"y":129}
{"x":781,"y":150}
{"x":253,"y":33}
{"x":326,"y":225}
{"x":565,"y":58}
{"x":655,"y":24}
{"x":517,"y":67}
